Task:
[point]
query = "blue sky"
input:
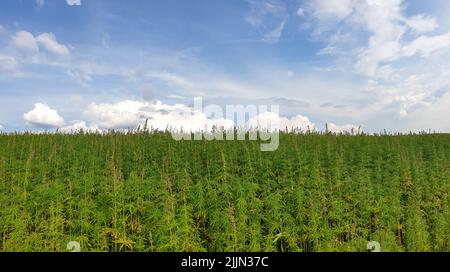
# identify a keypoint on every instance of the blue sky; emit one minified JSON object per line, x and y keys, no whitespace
{"x":110,"y":63}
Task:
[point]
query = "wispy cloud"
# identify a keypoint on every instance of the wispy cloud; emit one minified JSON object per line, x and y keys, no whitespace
{"x":269,"y":18}
{"x":73,"y":2}
{"x":274,"y":35}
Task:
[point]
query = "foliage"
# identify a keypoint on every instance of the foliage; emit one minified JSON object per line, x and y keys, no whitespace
{"x":146,"y":192}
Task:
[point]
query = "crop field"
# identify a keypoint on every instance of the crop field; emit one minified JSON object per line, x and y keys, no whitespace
{"x":148,"y":192}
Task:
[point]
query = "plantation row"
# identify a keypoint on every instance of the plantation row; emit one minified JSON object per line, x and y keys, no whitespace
{"x":147,"y":192}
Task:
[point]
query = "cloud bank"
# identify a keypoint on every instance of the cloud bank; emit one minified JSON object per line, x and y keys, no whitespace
{"x":131,"y":114}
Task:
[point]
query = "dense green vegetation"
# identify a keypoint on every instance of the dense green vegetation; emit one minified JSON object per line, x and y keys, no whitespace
{"x":141,"y":192}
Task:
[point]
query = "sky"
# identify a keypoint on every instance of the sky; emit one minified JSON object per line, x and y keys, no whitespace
{"x":111,"y":64}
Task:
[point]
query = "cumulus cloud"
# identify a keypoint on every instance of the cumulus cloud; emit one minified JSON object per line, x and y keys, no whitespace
{"x":352,"y":129}
{"x":24,"y":42}
{"x":27,"y":44}
{"x":271,"y":121}
{"x":124,"y":114}
{"x":48,"y":42}
{"x":43,"y":116}
{"x":25,"y":48}
{"x":130,"y":114}
{"x":73,"y":2}
{"x":77,"y":126}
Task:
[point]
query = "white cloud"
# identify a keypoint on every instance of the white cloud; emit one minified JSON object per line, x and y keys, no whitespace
{"x":422,"y":23}
{"x":1,"y":127}
{"x":381,"y":18}
{"x":73,"y":2}
{"x":433,"y":116}
{"x":81,"y":76}
{"x":43,"y":116}
{"x":49,"y":42}
{"x":388,"y":42}
{"x":24,"y":42}
{"x":425,"y":45}
{"x":124,"y":114}
{"x":174,"y":80}
{"x":271,"y":121}
{"x":77,"y":126}
{"x":274,"y":35}
{"x":8,"y":64}
{"x":198,"y":83}
{"x":300,"y":12}
{"x":269,"y":17}
{"x":28,"y":45}
{"x":331,"y":9}
{"x":394,"y":50}
{"x":387,"y":26}
{"x":130,"y":114}
{"x":352,"y":129}
{"x":24,"y":48}
{"x":402,"y":98}
{"x":261,"y":10}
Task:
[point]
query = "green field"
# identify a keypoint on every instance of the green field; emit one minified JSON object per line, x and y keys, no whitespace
{"x":147,"y":192}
